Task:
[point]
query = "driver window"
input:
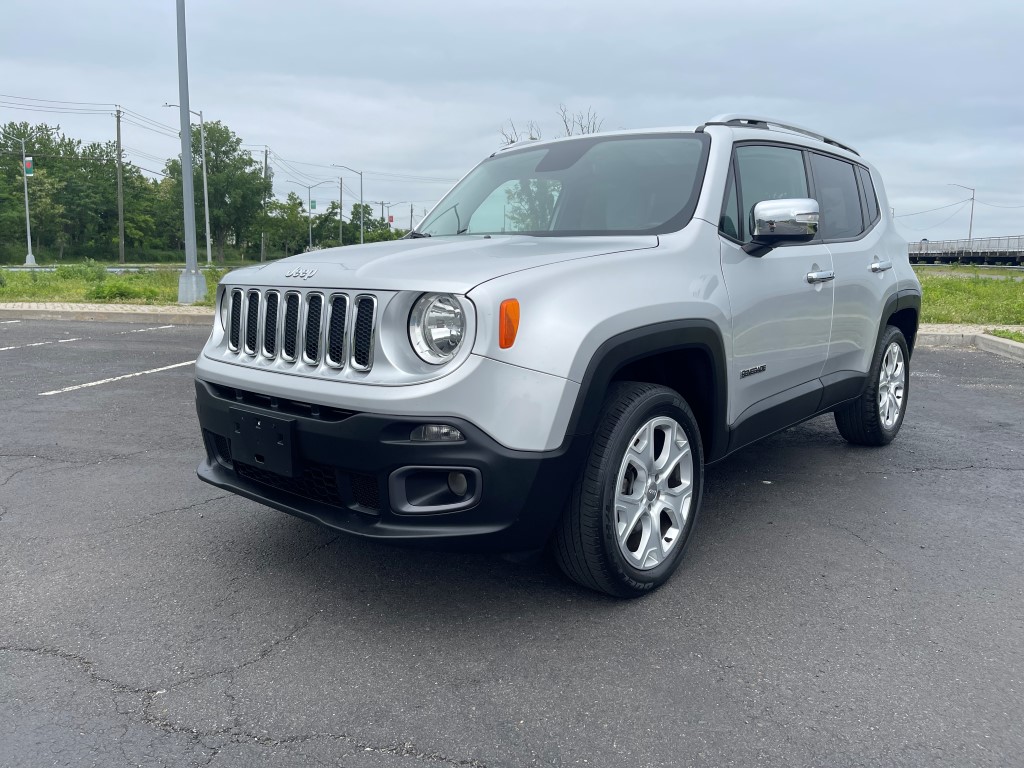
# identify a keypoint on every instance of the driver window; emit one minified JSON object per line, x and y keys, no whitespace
{"x":768,"y":173}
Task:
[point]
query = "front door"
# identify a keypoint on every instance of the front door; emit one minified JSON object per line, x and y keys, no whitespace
{"x":781,"y":323}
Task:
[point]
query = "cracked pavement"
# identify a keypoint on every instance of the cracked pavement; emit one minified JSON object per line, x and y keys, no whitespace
{"x":838,"y":606}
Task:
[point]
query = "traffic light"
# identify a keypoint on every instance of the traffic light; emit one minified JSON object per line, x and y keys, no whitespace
{"x":29,"y":167}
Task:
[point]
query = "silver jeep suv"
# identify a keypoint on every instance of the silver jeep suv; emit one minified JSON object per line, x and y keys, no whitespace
{"x":556,"y":352}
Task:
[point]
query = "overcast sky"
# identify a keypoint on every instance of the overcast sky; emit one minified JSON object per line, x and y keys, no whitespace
{"x":930,"y":92}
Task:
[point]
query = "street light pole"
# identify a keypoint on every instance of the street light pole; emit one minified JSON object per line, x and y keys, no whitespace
{"x":206,"y":193}
{"x":338,"y":165}
{"x":191,"y":284}
{"x":970,"y":226}
{"x":309,"y":203}
{"x":30,"y":259}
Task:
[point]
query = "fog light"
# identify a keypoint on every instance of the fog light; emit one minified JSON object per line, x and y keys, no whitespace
{"x":436,"y":433}
{"x":457,"y":483}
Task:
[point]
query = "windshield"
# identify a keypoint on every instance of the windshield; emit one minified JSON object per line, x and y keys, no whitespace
{"x":615,"y":185}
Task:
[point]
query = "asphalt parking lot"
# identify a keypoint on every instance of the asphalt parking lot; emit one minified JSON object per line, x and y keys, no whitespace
{"x":839,"y":606}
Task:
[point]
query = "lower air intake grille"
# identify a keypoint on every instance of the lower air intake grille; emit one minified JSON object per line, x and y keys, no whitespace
{"x":365,"y":491}
{"x":317,"y":482}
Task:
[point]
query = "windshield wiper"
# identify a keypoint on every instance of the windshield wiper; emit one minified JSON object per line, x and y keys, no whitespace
{"x":413,"y":234}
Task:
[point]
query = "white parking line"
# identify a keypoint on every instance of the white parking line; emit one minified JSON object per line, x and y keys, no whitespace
{"x":38,"y":344}
{"x":81,"y":338}
{"x":116,"y":378}
{"x":7,"y":322}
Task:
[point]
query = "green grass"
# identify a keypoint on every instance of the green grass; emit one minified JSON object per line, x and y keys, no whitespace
{"x":974,"y":300}
{"x":1011,"y":335}
{"x":966,"y":270}
{"x":91,"y":283}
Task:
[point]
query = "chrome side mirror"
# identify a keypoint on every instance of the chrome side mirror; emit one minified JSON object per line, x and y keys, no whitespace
{"x":782,"y":221}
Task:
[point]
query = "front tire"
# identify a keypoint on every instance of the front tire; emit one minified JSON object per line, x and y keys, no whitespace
{"x":633,"y":507}
{"x":875,"y":417}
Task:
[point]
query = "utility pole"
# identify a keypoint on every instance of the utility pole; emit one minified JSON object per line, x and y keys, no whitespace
{"x":410,"y":217}
{"x":191,"y":284}
{"x":338,"y":165}
{"x":30,"y":259}
{"x":120,"y":192}
{"x":341,"y":212}
{"x":263,"y":234}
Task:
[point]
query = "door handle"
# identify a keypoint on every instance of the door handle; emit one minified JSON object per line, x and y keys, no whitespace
{"x":821,"y":277}
{"x":881,"y":266}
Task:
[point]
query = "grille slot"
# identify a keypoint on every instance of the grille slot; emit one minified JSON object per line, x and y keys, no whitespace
{"x":362,"y":337}
{"x":291,"y":326}
{"x":314,"y":316}
{"x":336,"y":331}
{"x":252,"y":321}
{"x":270,"y":324}
{"x":236,"y":320}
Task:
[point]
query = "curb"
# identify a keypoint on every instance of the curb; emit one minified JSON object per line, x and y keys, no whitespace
{"x":983,"y":341}
{"x":167,"y":317}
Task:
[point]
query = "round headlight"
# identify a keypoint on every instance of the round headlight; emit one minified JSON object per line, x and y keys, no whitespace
{"x":437,"y":325}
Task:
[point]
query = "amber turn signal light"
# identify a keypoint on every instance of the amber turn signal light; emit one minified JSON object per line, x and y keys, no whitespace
{"x":508,"y":323}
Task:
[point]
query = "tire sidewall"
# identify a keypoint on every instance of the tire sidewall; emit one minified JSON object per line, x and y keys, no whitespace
{"x":892,"y":334}
{"x":657,"y":404}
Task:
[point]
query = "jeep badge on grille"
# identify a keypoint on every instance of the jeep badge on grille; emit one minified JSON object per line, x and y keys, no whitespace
{"x":301,"y":272}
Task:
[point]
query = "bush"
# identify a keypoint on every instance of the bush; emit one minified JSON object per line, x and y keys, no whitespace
{"x":90,"y":271}
{"x":118,"y":289}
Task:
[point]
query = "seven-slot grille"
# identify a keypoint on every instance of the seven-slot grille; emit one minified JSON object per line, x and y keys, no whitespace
{"x":308,"y":328}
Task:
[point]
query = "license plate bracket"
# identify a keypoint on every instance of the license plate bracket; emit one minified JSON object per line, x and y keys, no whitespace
{"x":265,"y":442}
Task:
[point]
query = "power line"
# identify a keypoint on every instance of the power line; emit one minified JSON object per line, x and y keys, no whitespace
{"x":930,"y":210}
{"x":149,"y":128}
{"x":56,"y":101}
{"x":150,"y":170}
{"x":933,"y":226}
{"x":140,"y":116}
{"x":993,"y":205}
{"x":55,"y":110}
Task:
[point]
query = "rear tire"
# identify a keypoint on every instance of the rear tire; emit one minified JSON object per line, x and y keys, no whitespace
{"x":634,"y":505}
{"x":875,"y":417}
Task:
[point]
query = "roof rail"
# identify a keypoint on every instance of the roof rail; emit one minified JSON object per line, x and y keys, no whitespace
{"x":748,"y":121}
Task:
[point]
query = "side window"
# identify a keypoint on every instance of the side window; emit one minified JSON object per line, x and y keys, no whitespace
{"x":835,"y":186}
{"x":729,"y":223}
{"x":869,"y":194}
{"x":768,"y":173}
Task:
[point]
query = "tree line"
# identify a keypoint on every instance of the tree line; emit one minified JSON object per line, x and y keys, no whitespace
{"x":73,"y":203}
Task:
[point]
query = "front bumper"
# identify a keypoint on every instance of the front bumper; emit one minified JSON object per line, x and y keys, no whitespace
{"x":347,"y":471}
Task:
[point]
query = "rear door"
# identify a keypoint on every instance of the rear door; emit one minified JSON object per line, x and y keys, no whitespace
{"x":864,"y":274}
{"x":780,"y":322}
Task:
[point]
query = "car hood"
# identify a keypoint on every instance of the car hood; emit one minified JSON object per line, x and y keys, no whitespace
{"x":449,"y":264}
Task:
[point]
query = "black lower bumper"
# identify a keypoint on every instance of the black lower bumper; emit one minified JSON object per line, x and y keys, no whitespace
{"x":353,"y":472}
